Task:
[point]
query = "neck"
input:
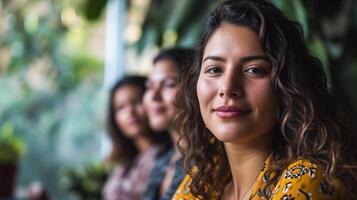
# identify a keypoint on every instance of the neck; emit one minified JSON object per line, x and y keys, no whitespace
{"x":245,"y":161}
{"x":174,"y":138}
{"x":142,"y":143}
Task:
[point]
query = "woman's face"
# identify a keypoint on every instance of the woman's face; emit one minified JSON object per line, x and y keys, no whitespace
{"x":130,"y":115}
{"x":160,"y":94}
{"x":234,"y":92}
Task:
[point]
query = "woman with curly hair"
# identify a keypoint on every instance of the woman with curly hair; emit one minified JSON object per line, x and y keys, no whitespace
{"x":256,"y":116}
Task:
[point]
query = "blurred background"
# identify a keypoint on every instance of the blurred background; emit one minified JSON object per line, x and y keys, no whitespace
{"x":59,"y":57}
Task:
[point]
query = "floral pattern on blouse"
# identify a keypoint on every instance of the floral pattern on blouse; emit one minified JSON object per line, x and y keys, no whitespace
{"x":131,"y":186}
{"x":302,"y":180}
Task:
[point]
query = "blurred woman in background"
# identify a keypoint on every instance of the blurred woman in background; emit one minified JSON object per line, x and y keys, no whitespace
{"x":134,"y":145}
{"x":159,"y":100}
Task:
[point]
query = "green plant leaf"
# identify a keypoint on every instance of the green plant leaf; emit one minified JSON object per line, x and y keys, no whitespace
{"x":12,"y":147}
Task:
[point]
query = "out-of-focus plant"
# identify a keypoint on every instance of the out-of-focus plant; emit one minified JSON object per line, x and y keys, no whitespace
{"x":50,"y":87}
{"x":86,"y":183}
{"x":12,"y":147}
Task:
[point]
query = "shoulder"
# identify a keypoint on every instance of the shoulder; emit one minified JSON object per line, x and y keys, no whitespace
{"x":303,"y":169}
{"x":302,"y":179}
{"x":158,"y":171}
{"x":183,"y":191}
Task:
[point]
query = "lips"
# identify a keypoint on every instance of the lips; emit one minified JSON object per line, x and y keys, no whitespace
{"x":156,"y":110}
{"x":230,"y":111}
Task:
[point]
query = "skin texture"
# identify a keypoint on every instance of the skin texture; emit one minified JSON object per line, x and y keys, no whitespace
{"x":129,"y":111}
{"x":235,"y":73}
{"x":160,"y":95}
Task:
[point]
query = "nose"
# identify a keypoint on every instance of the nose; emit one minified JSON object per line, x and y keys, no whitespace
{"x":231,"y":86}
{"x":130,"y":110}
{"x":156,"y":93}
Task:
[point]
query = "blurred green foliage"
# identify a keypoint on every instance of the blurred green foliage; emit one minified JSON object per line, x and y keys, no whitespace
{"x":12,"y":147}
{"x":51,"y":88}
{"x":93,"y":9}
{"x":85,"y":183}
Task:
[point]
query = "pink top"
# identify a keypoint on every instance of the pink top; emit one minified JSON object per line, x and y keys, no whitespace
{"x":133,"y":184}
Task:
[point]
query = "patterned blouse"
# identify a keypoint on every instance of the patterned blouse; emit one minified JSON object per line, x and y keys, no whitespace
{"x":302,"y":180}
{"x":131,"y":186}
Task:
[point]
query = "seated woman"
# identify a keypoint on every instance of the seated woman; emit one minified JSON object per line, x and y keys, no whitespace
{"x":135,"y":146}
{"x":257,"y":117}
{"x":159,"y":100}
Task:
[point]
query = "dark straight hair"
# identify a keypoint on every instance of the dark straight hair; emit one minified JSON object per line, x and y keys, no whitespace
{"x":123,"y":148}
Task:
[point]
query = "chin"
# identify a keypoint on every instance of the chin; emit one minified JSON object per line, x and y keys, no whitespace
{"x":159,"y":124}
{"x":231,"y":136}
{"x":133,"y":135}
{"x":227,"y":138}
{"x":159,"y":127}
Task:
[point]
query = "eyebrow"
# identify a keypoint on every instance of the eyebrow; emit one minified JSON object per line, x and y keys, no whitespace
{"x":216,"y":58}
{"x":150,"y":81}
{"x":254,"y":57}
{"x":244,"y":59}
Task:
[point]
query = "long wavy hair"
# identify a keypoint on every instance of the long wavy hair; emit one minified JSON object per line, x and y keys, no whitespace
{"x":308,"y":123}
{"x":124,"y":150}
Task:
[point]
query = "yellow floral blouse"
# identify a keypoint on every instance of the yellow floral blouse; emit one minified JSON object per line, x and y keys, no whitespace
{"x":302,"y":180}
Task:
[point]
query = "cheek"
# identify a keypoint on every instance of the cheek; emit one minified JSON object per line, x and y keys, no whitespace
{"x":169,"y":96}
{"x":205,"y":92}
{"x":147,"y":98}
{"x":261,"y":95}
{"x":119,"y":119}
{"x":140,"y":111}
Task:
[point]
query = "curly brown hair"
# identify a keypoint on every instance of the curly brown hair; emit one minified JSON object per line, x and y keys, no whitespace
{"x":308,"y":123}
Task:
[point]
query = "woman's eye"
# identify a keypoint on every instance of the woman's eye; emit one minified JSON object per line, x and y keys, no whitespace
{"x":170,"y":84}
{"x":255,"y":70}
{"x":119,"y":108}
{"x":213,"y":70}
{"x":136,"y":101}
